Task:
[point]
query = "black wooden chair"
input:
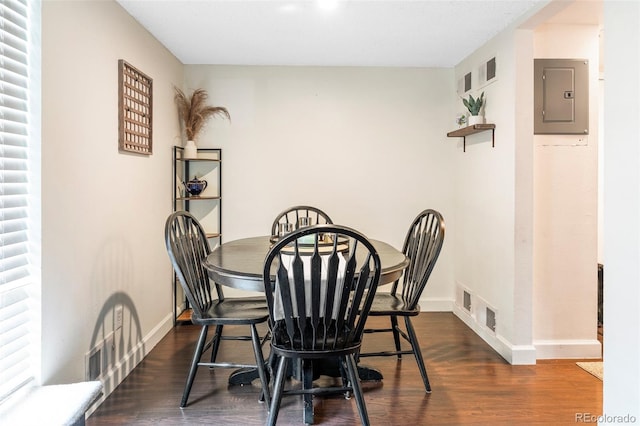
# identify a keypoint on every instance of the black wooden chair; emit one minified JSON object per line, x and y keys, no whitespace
{"x":326,"y":278}
{"x":292,"y":214}
{"x":188,"y":247}
{"x":422,"y":246}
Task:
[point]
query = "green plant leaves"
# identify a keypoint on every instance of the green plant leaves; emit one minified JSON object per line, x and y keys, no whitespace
{"x":474,"y":104}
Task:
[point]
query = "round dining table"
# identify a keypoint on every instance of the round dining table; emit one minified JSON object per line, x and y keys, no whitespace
{"x":239,"y":264}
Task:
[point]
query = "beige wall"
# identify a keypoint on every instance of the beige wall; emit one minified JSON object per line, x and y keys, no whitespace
{"x":103,"y":212}
{"x":566,"y":206}
{"x":487,"y":199}
{"x":367,"y":145}
{"x":527,"y":211}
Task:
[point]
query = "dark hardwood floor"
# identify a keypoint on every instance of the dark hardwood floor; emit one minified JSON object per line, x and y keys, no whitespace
{"x":472,"y":385}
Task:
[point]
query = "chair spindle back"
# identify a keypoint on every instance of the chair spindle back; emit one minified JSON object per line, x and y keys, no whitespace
{"x":188,"y":247}
{"x":292,"y":214}
{"x":422,"y":246}
{"x":326,"y":279}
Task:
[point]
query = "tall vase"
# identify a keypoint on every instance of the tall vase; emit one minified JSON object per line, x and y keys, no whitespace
{"x":190,"y":150}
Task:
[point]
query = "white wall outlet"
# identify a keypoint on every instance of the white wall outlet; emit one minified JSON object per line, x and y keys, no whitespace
{"x":118,"y":314}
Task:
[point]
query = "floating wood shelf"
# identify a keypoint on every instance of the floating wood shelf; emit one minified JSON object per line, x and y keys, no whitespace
{"x":470,"y":130}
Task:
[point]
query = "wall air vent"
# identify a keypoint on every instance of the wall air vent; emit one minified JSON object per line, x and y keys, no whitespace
{"x":466,"y":300}
{"x":93,"y":364}
{"x":491,"y":69}
{"x":490,"y":319}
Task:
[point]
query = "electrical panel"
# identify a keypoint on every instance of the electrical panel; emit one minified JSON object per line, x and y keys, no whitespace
{"x":561,"y":96}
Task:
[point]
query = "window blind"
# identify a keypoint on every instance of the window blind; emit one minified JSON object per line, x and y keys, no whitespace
{"x":16,"y":285}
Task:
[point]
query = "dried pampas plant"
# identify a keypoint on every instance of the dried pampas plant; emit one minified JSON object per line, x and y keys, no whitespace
{"x":194,"y":111}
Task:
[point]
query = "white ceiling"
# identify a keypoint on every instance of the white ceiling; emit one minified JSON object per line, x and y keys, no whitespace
{"x":406,"y":33}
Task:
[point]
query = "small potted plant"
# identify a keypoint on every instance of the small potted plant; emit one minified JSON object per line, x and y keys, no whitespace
{"x":474,"y":106}
{"x":194,"y":114}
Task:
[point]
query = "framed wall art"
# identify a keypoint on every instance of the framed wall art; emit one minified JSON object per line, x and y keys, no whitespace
{"x":135,"y":110}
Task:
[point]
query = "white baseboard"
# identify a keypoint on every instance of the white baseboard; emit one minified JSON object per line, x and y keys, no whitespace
{"x":568,"y":349}
{"x":528,"y":354}
{"x":513,"y":354}
{"x":122,"y":367}
{"x":436,"y":305}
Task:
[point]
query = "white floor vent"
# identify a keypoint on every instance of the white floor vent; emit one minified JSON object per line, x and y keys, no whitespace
{"x":466,"y":300}
{"x":486,"y":315}
{"x":93,"y":364}
{"x":491,"y":320}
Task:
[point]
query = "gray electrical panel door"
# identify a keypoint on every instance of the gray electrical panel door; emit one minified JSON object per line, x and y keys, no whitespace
{"x":561,"y":96}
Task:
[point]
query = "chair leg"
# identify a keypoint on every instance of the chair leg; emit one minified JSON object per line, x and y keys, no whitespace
{"x":396,"y":335}
{"x":278,"y":389}
{"x":260,"y":365}
{"x":272,"y":364}
{"x":194,"y":365}
{"x":352,"y":370}
{"x":216,"y":342}
{"x":307,"y":383}
{"x":415,"y":346}
{"x":344,"y":376}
